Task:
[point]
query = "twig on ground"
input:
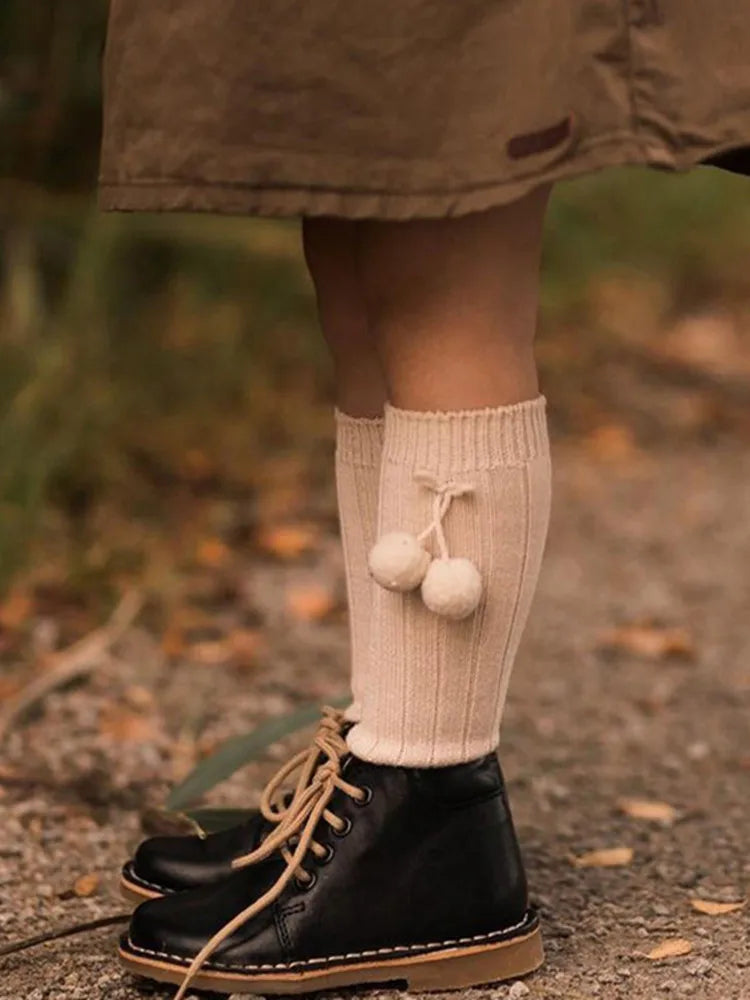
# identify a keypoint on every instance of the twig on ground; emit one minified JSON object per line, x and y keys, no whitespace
{"x":74,"y":662}
{"x":62,"y":932}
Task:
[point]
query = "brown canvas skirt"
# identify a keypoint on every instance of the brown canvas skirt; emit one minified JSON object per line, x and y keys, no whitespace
{"x":410,"y":108}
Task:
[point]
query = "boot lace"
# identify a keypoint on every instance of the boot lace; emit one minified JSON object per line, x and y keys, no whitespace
{"x":295,"y":825}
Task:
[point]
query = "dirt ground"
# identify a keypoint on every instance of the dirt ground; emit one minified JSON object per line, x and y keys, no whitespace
{"x":662,"y":537}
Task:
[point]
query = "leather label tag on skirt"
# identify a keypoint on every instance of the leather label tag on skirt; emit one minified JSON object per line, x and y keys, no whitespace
{"x":532,"y":143}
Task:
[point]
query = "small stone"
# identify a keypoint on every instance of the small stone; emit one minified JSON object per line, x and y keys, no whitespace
{"x":698,"y":751}
{"x":518,"y":990}
{"x":699,"y":967}
{"x":668,"y":985}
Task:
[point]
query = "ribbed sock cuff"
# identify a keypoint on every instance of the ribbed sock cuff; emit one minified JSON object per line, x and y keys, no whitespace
{"x":359,"y":440}
{"x":466,"y":440}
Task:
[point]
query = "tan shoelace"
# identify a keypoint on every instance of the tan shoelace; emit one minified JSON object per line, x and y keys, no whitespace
{"x":295,"y":825}
{"x":272,"y":798}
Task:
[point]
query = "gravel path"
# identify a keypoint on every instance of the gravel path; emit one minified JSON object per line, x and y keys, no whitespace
{"x":665,"y":537}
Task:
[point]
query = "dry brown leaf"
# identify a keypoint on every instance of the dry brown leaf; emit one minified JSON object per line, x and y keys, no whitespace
{"x":173,"y":642}
{"x":650,"y":809}
{"x":212,"y":553}
{"x":612,"y":443}
{"x":288,"y":541}
{"x":609,"y":857}
{"x":708,"y":342}
{"x":309,"y":603}
{"x":673,"y":948}
{"x":652,"y":642}
{"x":197,"y":465}
{"x":210,"y":652}
{"x":86,"y":885}
{"x":9,"y":687}
{"x":15,"y":609}
{"x":715,"y":908}
{"x":245,"y":645}
{"x":124,"y":726}
{"x":138,"y":697}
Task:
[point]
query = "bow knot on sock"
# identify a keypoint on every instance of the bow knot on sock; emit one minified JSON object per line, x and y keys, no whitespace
{"x":449,"y":488}
{"x":450,"y":586}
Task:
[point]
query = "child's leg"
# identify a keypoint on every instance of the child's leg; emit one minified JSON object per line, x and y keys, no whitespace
{"x":453,"y":306}
{"x":329,"y":246}
{"x":409,"y":873}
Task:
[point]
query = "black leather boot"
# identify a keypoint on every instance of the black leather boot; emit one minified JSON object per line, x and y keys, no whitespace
{"x":165,"y":865}
{"x":375,"y":875}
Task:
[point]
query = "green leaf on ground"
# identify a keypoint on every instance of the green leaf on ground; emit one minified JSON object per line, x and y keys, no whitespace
{"x":240,"y":750}
{"x":215,"y":820}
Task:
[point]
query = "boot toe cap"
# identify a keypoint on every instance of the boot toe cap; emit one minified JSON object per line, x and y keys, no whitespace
{"x":167,"y":864}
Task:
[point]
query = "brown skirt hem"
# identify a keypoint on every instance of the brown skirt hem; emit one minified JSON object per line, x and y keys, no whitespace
{"x":287,"y":200}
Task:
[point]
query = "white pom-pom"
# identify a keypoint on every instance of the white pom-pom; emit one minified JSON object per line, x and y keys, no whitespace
{"x":452,"y":588}
{"x":398,"y":561}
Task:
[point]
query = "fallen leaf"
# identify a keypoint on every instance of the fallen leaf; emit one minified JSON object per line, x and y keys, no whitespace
{"x":245,"y":644}
{"x":173,"y":642}
{"x":212,"y":553}
{"x":9,"y":687}
{"x":651,"y":642}
{"x":124,"y":726}
{"x":659,"y":812}
{"x":15,"y":609}
{"x":708,"y":342}
{"x":163,"y":823}
{"x":714,"y":908}
{"x":288,"y":541}
{"x":309,"y":603}
{"x":86,"y":885}
{"x":211,"y":652}
{"x":197,"y":465}
{"x":138,"y":697}
{"x":674,"y":948}
{"x":609,"y":857}
{"x":612,"y":443}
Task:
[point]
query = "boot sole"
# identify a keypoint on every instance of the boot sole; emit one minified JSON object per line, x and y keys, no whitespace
{"x":446,"y":969}
{"x":134,"y":893}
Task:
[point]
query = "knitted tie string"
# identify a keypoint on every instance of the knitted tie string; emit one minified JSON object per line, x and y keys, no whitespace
{"x":443,"y":495}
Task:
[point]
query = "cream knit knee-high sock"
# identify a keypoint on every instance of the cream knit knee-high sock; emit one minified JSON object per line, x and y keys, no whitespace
{"x":359,"y":445}
{"x":436,"y":687}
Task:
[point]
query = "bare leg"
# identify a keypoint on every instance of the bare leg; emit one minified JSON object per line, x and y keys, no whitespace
{"x":329,"y":246}
{"x":452,"y":304}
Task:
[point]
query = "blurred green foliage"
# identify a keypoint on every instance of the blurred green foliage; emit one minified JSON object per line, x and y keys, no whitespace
{"x":50,"y":54}
{"x":131,"y":343}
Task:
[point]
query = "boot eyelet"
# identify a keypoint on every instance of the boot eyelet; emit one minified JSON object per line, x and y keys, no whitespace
{"x":307,"y":885}
{"x":345,"y":829}
{"x":367,"y":797}
{"x":328,"y":856}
